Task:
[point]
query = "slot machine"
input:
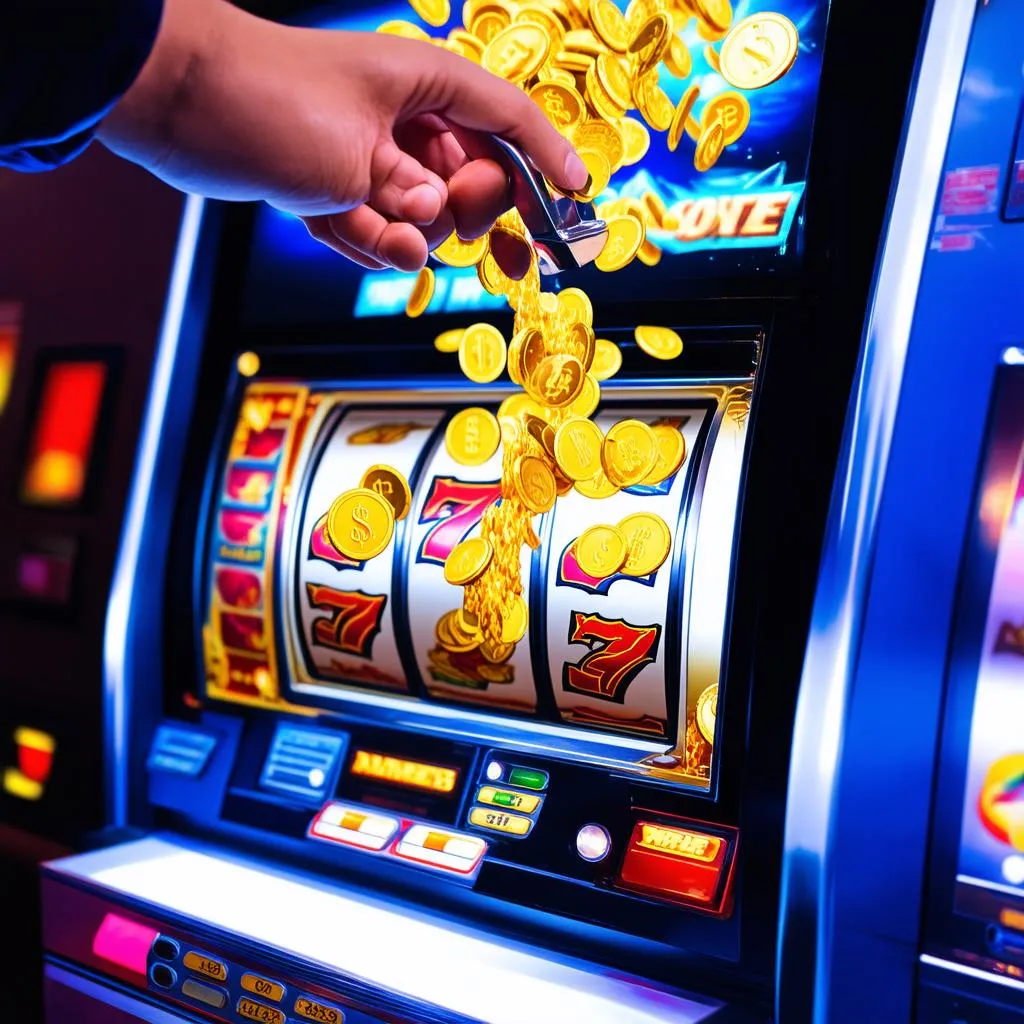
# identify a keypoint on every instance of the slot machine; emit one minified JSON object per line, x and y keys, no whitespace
{"x":327,"y":800}
{"x":909,"y":843}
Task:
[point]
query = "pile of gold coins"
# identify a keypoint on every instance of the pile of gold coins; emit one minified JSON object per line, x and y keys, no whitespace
{"x":587,"y":65}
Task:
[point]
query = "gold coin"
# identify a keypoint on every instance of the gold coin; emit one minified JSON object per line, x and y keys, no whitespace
{"x":582,"y":40}
{"x":488,"y":23}
{"x":575,"y":304}
{"x":360,"y":524}
{"x":614,"y":78}
{"x":405,"y":29}
{"x":579,"y":340}
{"x":607,"y":359}
{"x":548,"y":302}
{"x":455,"y":252}
{"x":677,"y":58}
{"x":710,"y":146}
{"x":651,"y":41}
{"x":625,"y":236}
{"x":515,"y":406}
{"x":433,"y":12}
{"x":578,"y":444}
{"x":655,"y":206}
{"x":421,"y":294}
{"x":600,"y":173}
{"x":600,"y":551}
{"x":598,"y":486}
{"x":472,"y":436}
{"x":693,"y":128}
{"x":451,"y":638}
{"x":557,"y":380}
{"x":706,"y":712}
{"x":468,"y":561}
{"x":608,"y":24}
{"x":541,"y":431}
{"x":482,"y":353}
{"x":629,"y":452}
{"x":469,"y":45}
{"x":671,"y":447}
{"x":515,"y":621}
{"x":635,"y":139}
{"x":496,"y":653}
{"x":682,"y":112}
{"x":549,"y":73}
{"x":715,"y":14}
{"x":562,"y":104}
{"x":651,"y":100}
{"x":547,"y":19}
{"x":568,"y":60}
{"x":529,"y":353}
{"x":649,"y":254}
{"x":598,"y":134}
{"x":659,"y":342}
{"x":758,"y":50}
{"x":448,"y":341}
{"x":391,"y":486}
{"x":732,"y":110}
{"x":588,"y":399}
{"x":491,"y":276}
{"x":711,"y":56}
{"x":534,"y":483}
{"x":517,"y":52}
{"x":648,"y":542}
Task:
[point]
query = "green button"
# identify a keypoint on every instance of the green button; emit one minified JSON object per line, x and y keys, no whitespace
{"x":528,"y":778}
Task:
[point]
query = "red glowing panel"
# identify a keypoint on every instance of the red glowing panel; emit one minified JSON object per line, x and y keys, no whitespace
{"x":9,"y":336}
{"x":238,"y":588}
{"x":64,"y":432}
{"x":124,"y":942}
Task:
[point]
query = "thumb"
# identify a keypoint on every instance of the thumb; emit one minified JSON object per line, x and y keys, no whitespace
{"x":469,"y":96}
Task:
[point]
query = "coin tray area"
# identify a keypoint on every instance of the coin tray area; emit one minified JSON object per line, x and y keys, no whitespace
{"x":226,"y":990}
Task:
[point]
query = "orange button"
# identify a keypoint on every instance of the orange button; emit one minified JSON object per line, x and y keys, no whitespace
{"x":674,"y":862}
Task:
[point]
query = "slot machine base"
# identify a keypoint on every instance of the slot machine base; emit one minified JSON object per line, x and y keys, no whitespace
{"x":159,"y":929}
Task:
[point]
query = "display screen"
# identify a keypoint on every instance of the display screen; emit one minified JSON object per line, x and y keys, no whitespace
{"x":991,"y":857}
{"x":740,"y":218}
{"x":10,"y":336}
{"x":290,"y":620}
{"x":63,"y":434}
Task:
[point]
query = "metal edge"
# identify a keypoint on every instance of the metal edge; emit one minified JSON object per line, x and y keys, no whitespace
{"x":803,"y":965}
{"x":155,"y":443}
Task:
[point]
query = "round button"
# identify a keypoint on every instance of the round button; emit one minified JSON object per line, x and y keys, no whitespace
{"x":162,"y":975}
{"x":494,"y":771}
{"x":593,"y":842}
{"x":165,"y":948}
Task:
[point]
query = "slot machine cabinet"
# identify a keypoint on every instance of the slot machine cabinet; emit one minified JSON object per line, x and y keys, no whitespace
{"x":80,"y":313}
{"x":338,"y":816}
{"x":918,"y":889}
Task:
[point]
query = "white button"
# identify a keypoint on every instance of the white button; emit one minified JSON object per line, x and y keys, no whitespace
{"x":494,"y":771}
{"x":593,"y":842}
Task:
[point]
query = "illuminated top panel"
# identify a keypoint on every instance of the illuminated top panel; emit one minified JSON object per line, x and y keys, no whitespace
{"x":740,"y":219}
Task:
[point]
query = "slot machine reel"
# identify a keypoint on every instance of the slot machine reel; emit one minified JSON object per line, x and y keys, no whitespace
{"x":565,"y":233}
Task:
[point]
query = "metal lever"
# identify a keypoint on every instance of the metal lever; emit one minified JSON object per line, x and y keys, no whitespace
{"x":564,"y":233}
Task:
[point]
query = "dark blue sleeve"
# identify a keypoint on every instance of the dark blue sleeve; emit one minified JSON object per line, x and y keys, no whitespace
{"x":63,"y":65}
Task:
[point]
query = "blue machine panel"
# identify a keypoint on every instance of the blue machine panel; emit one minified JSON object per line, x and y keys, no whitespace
{"x":303,"y":762}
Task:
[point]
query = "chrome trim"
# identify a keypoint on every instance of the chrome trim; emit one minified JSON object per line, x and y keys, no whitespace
{"x":803,"y":966}
{"x":122,"y":604}
{"x":971,"y":972}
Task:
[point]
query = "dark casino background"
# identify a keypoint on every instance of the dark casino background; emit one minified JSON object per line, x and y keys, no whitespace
{"x":243,"y":780}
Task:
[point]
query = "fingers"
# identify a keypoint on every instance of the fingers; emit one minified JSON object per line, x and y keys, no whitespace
{"x":401,"y":188}
{"x":477,"y":196}
{"x":511,"y":253}
{"x":390,"y":243}
{"x":466,"y":94}
{"x":320,"y":228}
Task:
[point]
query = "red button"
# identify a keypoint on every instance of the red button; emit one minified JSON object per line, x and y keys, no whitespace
{"x":674,"y":862}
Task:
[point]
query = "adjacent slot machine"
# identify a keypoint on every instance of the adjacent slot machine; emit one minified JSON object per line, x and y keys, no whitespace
{"x":368,"y":794}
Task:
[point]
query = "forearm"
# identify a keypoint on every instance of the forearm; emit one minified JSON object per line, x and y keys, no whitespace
{"x":63,"y":64}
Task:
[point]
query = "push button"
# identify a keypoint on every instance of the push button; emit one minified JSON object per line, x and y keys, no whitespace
{"x":165,"y":948}
{"x":263,"y":987}
{"x":205,"y":994}
{"x":200,"y":963}
{"x":499,"y":821}
{"x":252,"y":1010}
{"x":527,"y":803}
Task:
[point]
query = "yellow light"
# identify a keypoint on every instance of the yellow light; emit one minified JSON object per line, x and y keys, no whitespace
{"x":20,"y":785}
{"x":55,"y":475}
{"x":414,"y":774}
{"x":248,"y":364}
{"x":35,"y":738}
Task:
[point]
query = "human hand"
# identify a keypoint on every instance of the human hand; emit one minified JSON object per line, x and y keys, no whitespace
{"x":377,"y":142}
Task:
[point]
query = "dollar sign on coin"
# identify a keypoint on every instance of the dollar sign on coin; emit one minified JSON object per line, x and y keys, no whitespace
{"x":361,"y":531}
